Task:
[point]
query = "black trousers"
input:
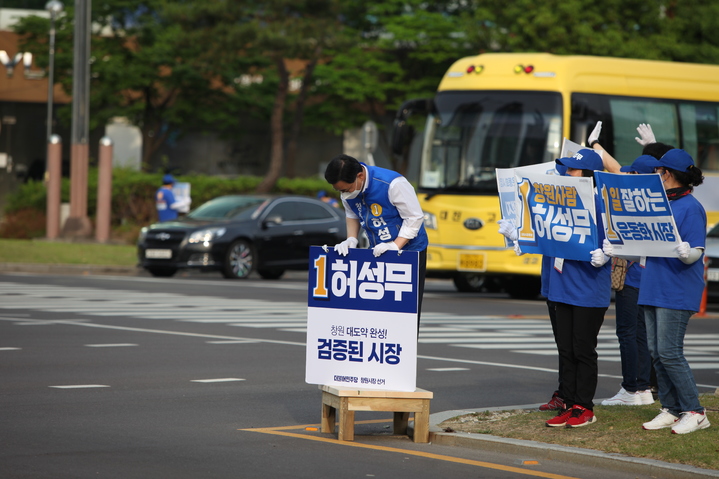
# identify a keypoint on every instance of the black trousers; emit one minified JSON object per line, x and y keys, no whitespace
{"x":577,"y":331}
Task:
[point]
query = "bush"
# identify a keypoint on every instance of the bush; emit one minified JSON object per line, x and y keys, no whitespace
{"x":133,"y":204}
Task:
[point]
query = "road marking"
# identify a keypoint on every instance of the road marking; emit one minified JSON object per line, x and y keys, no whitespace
{"x":447,"y":369}
{"x":282,"y":431}
{"x":80,"y":386}
{"x":9,"y":349}
{"x":234,"y":342}
{"x":116,"y":345}
{"x":220,"y":380}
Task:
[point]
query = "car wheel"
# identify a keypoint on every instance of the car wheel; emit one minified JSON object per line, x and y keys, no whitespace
{"x":524,"y":287}
{"x":239,"y":260}
{"x":271,"y":273}
{"x":468,"y":282}
{"x":162,"y":271}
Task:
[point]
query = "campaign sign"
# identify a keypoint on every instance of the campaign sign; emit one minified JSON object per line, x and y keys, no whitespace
{"x":362,"y":319}
{"x":508,"y":193}
{"x":639,"y":218}
{"x":557,"y":216}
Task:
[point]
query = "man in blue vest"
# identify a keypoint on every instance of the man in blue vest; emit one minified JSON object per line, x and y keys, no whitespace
{"x":167,"y":206}
{"x":385,"y":205}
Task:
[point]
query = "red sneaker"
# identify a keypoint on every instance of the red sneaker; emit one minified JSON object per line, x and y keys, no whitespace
{"x":580,"y":416}
{"x":554,"y":404}
{"x":560,"y":419}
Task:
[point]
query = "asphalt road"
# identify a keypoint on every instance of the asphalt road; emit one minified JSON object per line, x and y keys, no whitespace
{"x":195,"y":376}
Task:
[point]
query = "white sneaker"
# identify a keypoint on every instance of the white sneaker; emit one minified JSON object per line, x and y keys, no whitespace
{"x":623,"y":398}
{"x":663,"y":419}
{"x":645,"y":397}
{"x":691,"y":421}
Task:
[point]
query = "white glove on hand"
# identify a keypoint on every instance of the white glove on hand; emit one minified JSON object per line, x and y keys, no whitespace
{"x":594,"y":135}
{"x":646,"y":134}
{"x":517,"y":250}
{"x":383,"y":247}
{"x":599,"y":259}
{"x":683,"y":250}
{"x":607,"y":247}
{"x":507,"y":229}
{"x":344,"y":247}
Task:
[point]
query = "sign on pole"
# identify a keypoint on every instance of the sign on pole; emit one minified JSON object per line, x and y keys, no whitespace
{"x":362,"y":319}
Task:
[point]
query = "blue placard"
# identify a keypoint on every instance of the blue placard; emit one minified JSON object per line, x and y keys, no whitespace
{"x":359,"y":281}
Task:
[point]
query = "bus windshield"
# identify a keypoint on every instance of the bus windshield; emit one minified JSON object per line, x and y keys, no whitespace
{"x":471,"y":133}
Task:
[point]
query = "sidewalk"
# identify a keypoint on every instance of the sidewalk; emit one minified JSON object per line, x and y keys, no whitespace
{"x":529,"y":449}
{"x":533,"y":450}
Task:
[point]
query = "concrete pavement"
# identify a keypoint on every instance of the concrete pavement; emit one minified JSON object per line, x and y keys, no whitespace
{"x":530,"y":449}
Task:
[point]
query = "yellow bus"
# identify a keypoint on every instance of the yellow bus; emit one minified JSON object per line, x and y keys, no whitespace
{"x":500,"y":110}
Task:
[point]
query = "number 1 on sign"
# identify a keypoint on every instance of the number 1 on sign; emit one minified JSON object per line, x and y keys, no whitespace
{"x":320,"y":290}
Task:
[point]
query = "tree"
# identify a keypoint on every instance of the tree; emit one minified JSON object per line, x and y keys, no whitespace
{"x":140,"y":70}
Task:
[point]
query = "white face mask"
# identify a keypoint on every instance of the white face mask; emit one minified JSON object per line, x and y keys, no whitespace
{"x":352,"y":195}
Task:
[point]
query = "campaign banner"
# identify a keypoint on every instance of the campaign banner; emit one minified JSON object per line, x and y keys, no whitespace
{"x":639,"y":219}
{"x":362,"y":319}
{"x":508,"y":192}
{"x":557,"y":216}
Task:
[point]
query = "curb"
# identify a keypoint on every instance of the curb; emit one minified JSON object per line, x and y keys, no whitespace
{"x":82,"y":269}
{"x":539,"y":450}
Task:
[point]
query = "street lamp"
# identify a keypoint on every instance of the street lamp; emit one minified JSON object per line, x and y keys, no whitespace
{"x":54,"y":7}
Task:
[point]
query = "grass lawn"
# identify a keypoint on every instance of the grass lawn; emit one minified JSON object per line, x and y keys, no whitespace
{"x":56,"y":252}
{"x":618,"y":430}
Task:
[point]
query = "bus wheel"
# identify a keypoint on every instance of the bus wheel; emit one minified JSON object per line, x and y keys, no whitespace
{"x":468,"y":282}
{"x":524,"y":287}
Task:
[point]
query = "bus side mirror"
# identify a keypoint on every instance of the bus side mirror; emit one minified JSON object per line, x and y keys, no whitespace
{"x":402,"y":135}
{"x":402,"y":131}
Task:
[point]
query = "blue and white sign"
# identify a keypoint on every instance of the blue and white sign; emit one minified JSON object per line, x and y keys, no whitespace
{"x":557,"y":216}
{"x":639,"y":217}
{"x":362,"y":319}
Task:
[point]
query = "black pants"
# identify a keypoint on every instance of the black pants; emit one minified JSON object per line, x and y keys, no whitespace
{"x":552,"y":309}
{"x":577,"y":331}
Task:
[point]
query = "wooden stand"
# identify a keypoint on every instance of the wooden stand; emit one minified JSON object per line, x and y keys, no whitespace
{"x":347,"y":401}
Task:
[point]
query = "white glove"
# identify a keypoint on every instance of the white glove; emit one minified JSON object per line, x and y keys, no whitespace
{"x":517,"y":250}
{"x":607,"y":247}
{"x":599,"y":259}
{"x":383,"y":247}
{"x":507,"y":229}
{"x":646,"y":134}
{"x":594,"y":135}
{"x":344,"y":247}
{"x":683,"y":249}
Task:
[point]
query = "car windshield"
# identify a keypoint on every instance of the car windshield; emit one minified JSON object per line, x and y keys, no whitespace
{"x":236,"y":207}
{"x":714,"y":232}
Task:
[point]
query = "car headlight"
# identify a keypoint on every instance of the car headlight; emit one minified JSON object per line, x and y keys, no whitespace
{"x":143,"y":234}
{"x":430,"y":221}
{"x":207,"y":235}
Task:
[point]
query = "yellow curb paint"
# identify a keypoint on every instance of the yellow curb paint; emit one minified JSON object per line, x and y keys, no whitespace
{"x":280,"y":431}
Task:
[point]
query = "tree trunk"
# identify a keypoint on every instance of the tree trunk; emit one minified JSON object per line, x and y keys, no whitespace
{"x":298,"y":117}
{"x":276,"y":130}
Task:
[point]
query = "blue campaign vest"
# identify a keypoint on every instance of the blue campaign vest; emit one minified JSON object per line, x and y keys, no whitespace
{"x":378,"y":216}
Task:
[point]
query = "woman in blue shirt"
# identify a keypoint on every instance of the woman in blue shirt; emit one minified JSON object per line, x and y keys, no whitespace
{"x":670,"y":292}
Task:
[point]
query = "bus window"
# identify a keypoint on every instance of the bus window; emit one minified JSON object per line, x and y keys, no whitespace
{"x":472,"y":133}
{"x":627,"y":114}
{"x":700,"y":132}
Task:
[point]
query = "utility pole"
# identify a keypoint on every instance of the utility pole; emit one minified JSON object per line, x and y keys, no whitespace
{"x":78,"y":224}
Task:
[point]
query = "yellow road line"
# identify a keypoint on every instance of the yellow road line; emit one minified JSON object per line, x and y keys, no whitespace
{"x":281,"y":431}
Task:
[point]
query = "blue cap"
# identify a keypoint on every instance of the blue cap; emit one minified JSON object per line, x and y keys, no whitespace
{"x":676,"y":159}
{"x":321,"y":194}
{"x":168,"y":179}
{"x":643,"y":164}
{"x":584,"y":159}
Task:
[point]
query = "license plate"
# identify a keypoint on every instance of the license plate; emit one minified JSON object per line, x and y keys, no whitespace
{"x":713,"y":275}
{"x":472,"y":262}
{"x":158,"y":253}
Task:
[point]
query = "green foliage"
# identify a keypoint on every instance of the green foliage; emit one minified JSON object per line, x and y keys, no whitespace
{"x":133,"y":194}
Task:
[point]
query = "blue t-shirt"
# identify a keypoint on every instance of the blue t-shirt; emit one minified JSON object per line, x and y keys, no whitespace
{"x":669,"y":283}
{"x":163,"y":201}
{"x":579,"y":283}
{"x":547,"y":265}
{"x":634,"y":274}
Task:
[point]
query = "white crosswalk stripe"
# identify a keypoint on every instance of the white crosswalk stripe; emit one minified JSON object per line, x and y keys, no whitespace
{"x":520,"y":335}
